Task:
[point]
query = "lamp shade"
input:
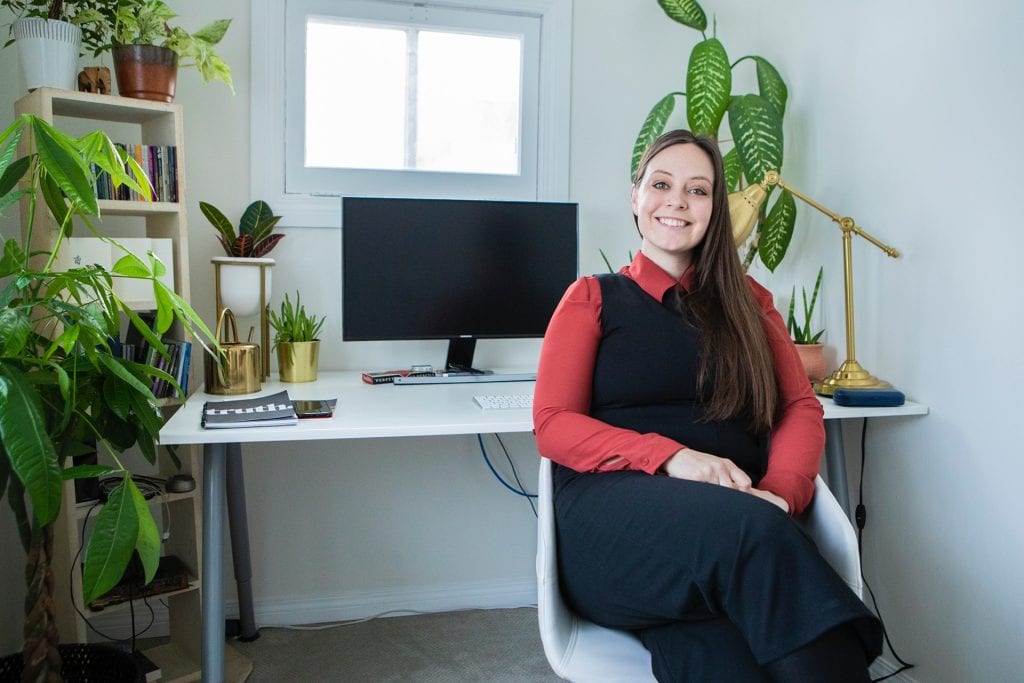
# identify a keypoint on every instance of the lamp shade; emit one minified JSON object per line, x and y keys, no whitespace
{"x":743,"y":208}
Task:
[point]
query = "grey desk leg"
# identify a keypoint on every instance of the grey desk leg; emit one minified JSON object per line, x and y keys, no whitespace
{"x":835,"y":461}
{"x":213,"y":543}
{"x":239,"y":524}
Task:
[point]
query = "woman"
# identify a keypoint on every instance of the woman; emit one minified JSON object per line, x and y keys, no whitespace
{"x":680,"y":366}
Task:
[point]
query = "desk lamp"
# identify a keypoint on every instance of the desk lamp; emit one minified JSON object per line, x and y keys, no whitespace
{"x":744,"y":207}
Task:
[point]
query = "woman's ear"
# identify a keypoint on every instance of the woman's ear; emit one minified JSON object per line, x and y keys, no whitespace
{"x":632,"y":199}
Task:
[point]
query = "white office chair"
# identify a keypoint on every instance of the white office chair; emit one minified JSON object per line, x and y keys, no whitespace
{"x":581,"y":651}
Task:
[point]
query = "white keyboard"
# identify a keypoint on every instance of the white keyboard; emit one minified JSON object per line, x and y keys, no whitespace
{"x":504,"y":401}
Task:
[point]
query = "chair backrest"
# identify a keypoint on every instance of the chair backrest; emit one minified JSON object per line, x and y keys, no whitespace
{"x":579,"y":650}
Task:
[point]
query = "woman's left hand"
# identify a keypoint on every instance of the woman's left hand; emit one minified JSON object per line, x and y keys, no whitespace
{"x":775,"y":500}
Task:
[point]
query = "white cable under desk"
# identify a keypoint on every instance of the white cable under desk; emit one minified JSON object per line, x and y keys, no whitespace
{"x":367,"y":411}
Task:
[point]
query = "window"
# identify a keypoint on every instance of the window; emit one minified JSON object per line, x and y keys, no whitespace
{"x":398,"y":98}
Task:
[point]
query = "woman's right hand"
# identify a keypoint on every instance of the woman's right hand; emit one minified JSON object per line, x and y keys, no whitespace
{"x":699,"y":466}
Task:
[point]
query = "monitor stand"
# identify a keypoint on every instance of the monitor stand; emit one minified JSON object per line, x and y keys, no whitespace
{"x":459,"y":368}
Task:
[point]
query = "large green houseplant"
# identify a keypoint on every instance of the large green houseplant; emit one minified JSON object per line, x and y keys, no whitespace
{"x":755,"y":125}
{"x":61,"y":385}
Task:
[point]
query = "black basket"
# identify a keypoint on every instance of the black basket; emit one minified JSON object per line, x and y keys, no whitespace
{"x":83,"y":664}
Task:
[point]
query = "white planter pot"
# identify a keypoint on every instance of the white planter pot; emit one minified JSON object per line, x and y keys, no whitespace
{"x":48,"y":52}
{"x":240,"y":283}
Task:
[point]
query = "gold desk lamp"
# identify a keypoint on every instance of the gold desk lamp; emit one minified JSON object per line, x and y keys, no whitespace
{"x":744,"y":207}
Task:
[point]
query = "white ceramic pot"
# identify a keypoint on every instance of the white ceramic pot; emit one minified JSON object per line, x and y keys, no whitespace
{"x":48,"y":52}
{"x":240,"y":283}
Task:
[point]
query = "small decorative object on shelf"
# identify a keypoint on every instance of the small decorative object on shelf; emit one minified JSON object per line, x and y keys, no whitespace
{"x":296,"y":338}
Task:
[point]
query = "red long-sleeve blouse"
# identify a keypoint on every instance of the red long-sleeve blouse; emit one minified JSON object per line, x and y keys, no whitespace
{"x":568,"y":435}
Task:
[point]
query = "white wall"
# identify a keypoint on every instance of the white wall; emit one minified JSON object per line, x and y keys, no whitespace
{"x":903,"y":115}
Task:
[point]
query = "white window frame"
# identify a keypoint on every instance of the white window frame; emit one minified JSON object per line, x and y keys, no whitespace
{"x":269,"y":131}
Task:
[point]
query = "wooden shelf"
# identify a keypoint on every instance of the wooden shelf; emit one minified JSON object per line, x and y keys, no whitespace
{"x":151,"y":123}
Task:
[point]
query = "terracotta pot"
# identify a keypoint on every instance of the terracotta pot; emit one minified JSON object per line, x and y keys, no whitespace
{"x":813,"y":358}
{"x":146,"y":72}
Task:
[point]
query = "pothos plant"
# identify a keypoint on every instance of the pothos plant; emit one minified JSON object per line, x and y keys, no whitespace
{"x":755,"y":126}
{"x":63,"y":390}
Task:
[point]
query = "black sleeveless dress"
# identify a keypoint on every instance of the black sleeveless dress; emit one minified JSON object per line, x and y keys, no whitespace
{"x":712,"y":577}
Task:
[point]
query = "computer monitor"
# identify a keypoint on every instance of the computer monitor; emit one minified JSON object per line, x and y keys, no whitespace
{"x":452,"y":269}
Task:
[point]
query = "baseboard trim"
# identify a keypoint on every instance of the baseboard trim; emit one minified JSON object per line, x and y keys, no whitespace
{"x":884,"y":667}
{"x":344,"y":606}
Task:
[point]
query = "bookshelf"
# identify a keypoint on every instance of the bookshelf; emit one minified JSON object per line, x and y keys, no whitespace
{"x":149,"y":123}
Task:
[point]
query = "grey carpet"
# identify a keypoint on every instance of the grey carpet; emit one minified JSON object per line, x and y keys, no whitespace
{"x":498,"y":646}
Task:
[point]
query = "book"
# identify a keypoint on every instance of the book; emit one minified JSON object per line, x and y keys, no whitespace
{"x":262,"y":411}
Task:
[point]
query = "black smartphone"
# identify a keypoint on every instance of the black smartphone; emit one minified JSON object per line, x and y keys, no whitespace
{"x":313,"y":409}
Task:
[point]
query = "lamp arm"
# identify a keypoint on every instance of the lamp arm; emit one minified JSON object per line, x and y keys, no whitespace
{"x":846,"y":224}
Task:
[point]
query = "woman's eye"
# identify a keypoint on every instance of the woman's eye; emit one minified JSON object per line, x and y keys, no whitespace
{"x":699,"y":191}
{"x":660,"y":185}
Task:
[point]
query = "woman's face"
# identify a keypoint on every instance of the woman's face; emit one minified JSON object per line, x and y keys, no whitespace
{"x":672,"y":203}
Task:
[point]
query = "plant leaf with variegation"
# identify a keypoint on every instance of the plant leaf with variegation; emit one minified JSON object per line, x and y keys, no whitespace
{"x":777,"y":230}
{"x":654,"y":125}
{"x":686,"y":12}
{"x":708,"y":87}
{"x":733,"y":169}
{"x":757,"y":133}
{"x":770,"y":85}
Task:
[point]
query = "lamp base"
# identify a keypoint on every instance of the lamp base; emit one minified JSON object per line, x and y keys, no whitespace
{"x":850,"y":375}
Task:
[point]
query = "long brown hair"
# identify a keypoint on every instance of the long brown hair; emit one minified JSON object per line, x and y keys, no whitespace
{"x":735,"y":355}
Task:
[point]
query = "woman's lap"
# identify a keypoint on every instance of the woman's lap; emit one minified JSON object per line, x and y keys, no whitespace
{"x":640,"y":552}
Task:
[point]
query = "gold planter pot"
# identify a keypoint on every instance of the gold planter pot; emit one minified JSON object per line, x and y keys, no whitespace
{"x":297,"y":361}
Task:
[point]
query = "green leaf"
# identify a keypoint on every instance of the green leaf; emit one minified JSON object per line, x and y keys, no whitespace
{"x":777,"y":231}
{"x":131,"y":265}
{"x":771,"y":85}
{"x":54,"y":199}
{"x":219,"y":221}
{"x":654,"y":125}
{"x":15,"y":330}
{"x":164,"y":310}
{"x":708,"y":87}
{"x":757,"y":132}
{"x":111,"y":542}
{"x":212,"y":32}
{"x":12,"y":258}
{"x":255,"y":220}
{"x":12,"y":174}
{"x":23,"y":432}
{"x":686,"y":12}
{"x":85,"y":471}
{"x":61,"y":161}
{"x":147,"y":543}
{"x":733,"y":169}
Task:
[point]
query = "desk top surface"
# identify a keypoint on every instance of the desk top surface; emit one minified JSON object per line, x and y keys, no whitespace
{"x":385,"y":410}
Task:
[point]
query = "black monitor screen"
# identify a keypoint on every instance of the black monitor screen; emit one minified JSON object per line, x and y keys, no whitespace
{"x":451,"y":269}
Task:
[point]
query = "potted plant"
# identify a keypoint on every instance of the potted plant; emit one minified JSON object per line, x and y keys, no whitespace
{"x":297,"y":340}
{"x":755,"y":124}
{"x":811,"y":351}
{"x":239,"y":273}
{"x":148,"y":50}
{"x":61,"y":384}
{"x":49,"y":35}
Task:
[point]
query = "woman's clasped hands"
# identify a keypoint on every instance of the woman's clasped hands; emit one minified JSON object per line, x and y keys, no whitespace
{"x":694,"y":465}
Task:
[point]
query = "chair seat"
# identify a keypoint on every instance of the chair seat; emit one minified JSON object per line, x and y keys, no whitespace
{"x":579,"y":650}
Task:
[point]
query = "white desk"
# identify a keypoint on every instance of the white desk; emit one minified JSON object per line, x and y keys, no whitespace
{"x":375,"y":411}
